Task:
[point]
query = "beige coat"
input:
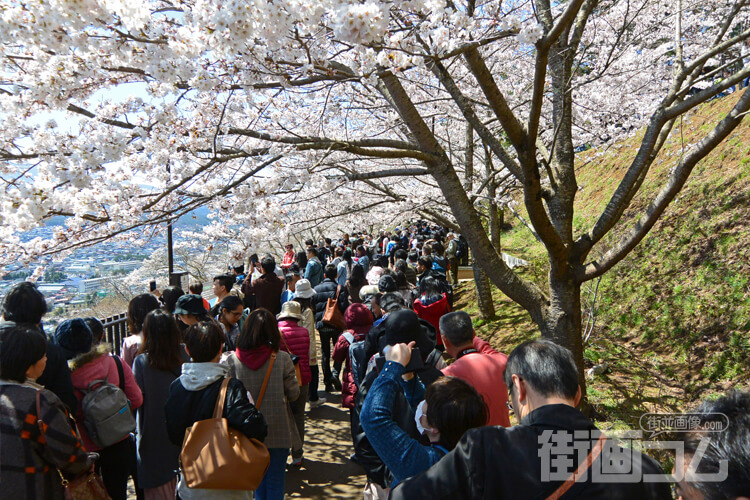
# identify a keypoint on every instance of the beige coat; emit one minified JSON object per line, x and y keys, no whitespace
{"x":308,"y":321}
{"x":282,"y":388}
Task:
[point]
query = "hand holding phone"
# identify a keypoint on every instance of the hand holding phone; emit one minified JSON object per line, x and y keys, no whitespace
{"x":400,"y":353}
{"x":412,"y":363}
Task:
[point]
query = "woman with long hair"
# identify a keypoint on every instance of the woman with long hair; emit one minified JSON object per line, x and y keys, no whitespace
{"x":155,"y":369}
{"x":344,"y":268}
{"x":300,"y":259}
{"x":355,"y":283}
{"x":138,"y":307}
{"x":258,"y":353}
{"x":169,"y":298}
{"x":228,"y":314}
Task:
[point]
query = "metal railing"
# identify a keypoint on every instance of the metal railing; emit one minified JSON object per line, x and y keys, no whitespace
{"x":115,"y":329}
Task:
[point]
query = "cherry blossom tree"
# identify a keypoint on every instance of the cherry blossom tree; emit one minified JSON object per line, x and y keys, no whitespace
{"x":295,"y":116}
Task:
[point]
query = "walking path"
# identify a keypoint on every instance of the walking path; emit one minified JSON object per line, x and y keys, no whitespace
{"x":326,"y":469}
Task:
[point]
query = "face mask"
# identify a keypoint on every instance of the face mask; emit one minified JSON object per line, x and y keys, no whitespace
{"x":418,"y":418}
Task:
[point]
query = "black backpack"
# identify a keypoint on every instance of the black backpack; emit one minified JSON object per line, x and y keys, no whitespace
{"x":462,"y":250}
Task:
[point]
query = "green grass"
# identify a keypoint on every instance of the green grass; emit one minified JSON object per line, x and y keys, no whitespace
{"x":673,"y":317}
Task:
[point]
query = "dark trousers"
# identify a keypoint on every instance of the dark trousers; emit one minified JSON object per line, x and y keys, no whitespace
{"x":116,"y":464}
{"x":313,"y":396}
{"x":328,"y":338}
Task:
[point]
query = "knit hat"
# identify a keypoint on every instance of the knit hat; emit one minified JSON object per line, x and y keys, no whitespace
{"x":358,"y":318}
{"x":190,"y":304}
{"x":74,"y":336}
{"x":387,"y":284}
{"x":303,"y":289}
{"x":290,"y":310}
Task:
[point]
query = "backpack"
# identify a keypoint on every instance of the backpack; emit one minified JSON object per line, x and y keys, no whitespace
{"x":107,"y":414}
{"x":356,"y":355}
{"x":462,"y":250}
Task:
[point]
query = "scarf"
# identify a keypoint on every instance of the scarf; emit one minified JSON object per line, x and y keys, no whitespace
{"x":254,"y":358}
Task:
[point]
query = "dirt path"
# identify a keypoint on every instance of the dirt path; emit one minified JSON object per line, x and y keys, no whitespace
{"x":326,"y":471}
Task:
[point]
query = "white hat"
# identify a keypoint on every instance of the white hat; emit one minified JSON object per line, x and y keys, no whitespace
{"x":290,"y":309}
{"x":303,"y":289}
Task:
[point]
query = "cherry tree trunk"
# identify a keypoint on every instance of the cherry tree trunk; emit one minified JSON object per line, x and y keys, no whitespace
{"x":562,"y":321}
{"x":484,"y":292}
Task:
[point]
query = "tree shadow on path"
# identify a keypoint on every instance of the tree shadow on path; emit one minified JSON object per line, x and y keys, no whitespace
{"x":326,"y":471}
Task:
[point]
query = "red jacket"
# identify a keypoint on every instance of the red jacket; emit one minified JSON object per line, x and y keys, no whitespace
{"x":433,"y":312}
{"x":359,"y":320}
{"x":298,"y":339}
{"x":484,"y":371}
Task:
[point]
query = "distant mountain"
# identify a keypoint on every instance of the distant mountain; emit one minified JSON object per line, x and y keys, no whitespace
{"x":193,"y":220}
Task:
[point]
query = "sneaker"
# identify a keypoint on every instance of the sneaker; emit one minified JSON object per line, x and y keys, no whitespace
{"x":318,"y":402}
{"x":297,"y":462}
{"x":329,"y":387}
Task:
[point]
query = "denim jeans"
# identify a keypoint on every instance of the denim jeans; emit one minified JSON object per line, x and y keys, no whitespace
{"x":272,"y":486}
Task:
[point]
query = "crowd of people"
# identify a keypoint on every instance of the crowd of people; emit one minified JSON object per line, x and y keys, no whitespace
{"x":369,"y":317}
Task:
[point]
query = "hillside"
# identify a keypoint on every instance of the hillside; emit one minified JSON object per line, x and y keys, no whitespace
{"x":672,"y":320}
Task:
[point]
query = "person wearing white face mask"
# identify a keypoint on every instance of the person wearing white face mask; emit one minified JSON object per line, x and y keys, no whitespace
{"x":450,"y":408}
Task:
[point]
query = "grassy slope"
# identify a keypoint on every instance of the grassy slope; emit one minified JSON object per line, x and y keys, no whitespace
{"x":673,"y":318}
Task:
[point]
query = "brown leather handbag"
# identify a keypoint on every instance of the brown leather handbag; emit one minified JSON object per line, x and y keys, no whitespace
{"x":217,"y":457}
{"x":333,"y":315}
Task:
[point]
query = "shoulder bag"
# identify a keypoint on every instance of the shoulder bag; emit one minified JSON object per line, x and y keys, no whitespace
{"x":214,"y":456}
{"x":333,"y":315}
{"x":87,"y":485}
{"x":295,"y":360}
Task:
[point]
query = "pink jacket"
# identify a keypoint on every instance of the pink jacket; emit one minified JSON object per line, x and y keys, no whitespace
{"x":298,"y":339}
{"x":95,"y":365}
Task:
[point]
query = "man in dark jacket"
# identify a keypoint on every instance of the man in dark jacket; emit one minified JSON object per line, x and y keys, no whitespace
{"x":25,"y":304}
{"x":535,"y":458}
{"x":266,"y":289}
{"x":329,"y":335}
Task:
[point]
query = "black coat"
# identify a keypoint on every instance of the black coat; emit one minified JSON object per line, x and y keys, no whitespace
{"x":498,"y":463}
{"x":183,"y":408}
{"x":324,"y":291}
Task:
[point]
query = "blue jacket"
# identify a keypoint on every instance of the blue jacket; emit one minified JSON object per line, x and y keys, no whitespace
{"x":404,"y":456}
{"x":314,"y":272}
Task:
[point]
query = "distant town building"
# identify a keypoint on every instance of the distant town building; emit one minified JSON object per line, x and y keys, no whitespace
{"x":94,"y":284}
{"x":111,"y":265}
